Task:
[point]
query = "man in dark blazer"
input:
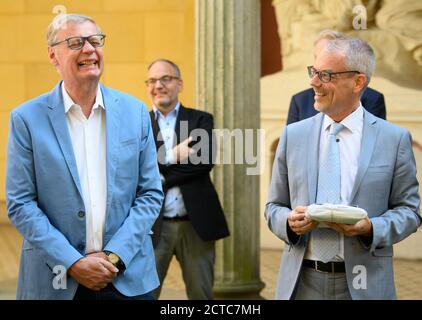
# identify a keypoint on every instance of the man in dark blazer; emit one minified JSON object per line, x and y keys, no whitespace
{"x":302,"y":103}
{"x":191,"y":218}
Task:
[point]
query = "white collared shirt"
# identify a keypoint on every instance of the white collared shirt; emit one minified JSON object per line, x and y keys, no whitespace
{"x":349,"y":140}
{"x":173,"y":203}
{"x":89,"y":146}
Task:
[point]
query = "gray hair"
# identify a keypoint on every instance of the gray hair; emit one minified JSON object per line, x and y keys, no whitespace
{"x":358,"y":54}
{"x":329,"y":34}
{"x":175,"y":66}
{"x":62,"y":19}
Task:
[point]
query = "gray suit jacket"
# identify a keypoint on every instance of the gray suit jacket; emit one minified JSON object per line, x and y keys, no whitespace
{"x":385,"y":186}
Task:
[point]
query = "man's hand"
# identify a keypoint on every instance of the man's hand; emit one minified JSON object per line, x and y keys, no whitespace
{"x":298,"y":223}
{"x":182,"y":150}
{"x":361,"y":228}
{"x":99,"y":254}
{"x":93,"y":271}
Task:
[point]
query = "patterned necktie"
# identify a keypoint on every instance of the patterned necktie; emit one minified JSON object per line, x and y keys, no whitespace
{"x":326,"y":241}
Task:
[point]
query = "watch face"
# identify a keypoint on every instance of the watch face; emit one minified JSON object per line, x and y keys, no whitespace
{"x":113,"y":258}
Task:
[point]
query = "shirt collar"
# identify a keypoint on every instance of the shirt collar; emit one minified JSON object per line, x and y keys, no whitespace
{"x":174,"y":112}
{"x":351,"y":122}
{"x":68,"y":102}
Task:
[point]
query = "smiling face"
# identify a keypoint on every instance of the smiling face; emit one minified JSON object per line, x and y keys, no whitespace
{"x":339,"y":97}
{"x":77,"y":67}
{"x":165,"y":98}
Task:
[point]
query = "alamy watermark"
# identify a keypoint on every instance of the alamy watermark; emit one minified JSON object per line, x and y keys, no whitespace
{"x":221,"y":146}
{"x":60,"y":10}
{"x":60,"y":278}
{"x":361,"y":17}
{"x":360,"y":280}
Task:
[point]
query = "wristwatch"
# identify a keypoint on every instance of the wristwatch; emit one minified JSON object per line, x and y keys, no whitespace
{"x":115,"y":260}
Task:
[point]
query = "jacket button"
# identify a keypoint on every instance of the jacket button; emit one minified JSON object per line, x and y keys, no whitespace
{"x":81,"y":214}
{"x":81,"y":246}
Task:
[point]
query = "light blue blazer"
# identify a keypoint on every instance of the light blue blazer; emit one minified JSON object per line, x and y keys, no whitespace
{"x":385,"y":186}
{"x":44,"y":198}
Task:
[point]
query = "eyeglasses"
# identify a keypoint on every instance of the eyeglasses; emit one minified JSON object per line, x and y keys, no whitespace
{"x":77,"y":43}
{"x":165,"y":80}
{"x":324,"y":75}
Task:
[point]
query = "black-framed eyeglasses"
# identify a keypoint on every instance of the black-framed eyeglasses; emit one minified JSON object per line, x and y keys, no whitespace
{"x":165,"y":80}
{"x":77,"y":43}
{"x":325,"y":75}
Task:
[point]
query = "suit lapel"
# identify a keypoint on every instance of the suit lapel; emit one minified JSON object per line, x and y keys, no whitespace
{"x":58,"y":121}
{"x":181,"y":116}
{"x":313,"y":158}
{"x":159,"y":143}
{"x":369,"y":136}
{"x":112,"y":110}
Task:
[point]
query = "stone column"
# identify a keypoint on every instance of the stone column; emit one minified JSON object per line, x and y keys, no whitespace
{"x":228,"y":73}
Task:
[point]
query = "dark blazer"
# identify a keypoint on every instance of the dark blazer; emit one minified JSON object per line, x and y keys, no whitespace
{"x":302,"y":105}
{"x":199,"y":195}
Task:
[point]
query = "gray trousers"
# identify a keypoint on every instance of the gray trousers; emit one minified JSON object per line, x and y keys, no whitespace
{"x":195,"y":256}
{"x":315,"y":285}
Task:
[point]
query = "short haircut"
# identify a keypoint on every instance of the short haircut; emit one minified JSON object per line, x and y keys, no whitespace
{"x":329,"y":34}
{"x":358,"y":54}
{"x":62,"y":19}
{"x":175,"y":66}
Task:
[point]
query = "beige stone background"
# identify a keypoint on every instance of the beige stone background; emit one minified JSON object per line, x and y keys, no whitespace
{"x":392,"y":30}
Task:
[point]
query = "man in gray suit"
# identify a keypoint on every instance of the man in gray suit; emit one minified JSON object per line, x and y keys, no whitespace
{"x":377,"y":173}
{"x":302,"y":103}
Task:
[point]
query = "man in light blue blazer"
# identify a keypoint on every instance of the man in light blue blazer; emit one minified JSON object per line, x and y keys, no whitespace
{"x":377,"y":173}
{"x":82,"y":181}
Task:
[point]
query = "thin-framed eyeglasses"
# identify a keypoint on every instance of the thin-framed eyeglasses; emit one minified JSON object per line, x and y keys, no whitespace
{"x":325,"y":75}
{"x":77,"y":43}
{"x":164,"y":80}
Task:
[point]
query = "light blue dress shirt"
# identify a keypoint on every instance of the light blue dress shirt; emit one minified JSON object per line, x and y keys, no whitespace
{"x":173,"y":204}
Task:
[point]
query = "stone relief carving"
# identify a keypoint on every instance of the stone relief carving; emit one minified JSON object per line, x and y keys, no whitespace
{"x":393,"y":28}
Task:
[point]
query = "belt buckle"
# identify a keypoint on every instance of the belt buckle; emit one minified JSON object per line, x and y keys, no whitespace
{"x":317,"y":270}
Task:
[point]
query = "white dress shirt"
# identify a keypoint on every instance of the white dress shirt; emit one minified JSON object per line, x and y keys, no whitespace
{"x":173,"y":203}
{"x":349,"y":140}
{"x":89,"y":146}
